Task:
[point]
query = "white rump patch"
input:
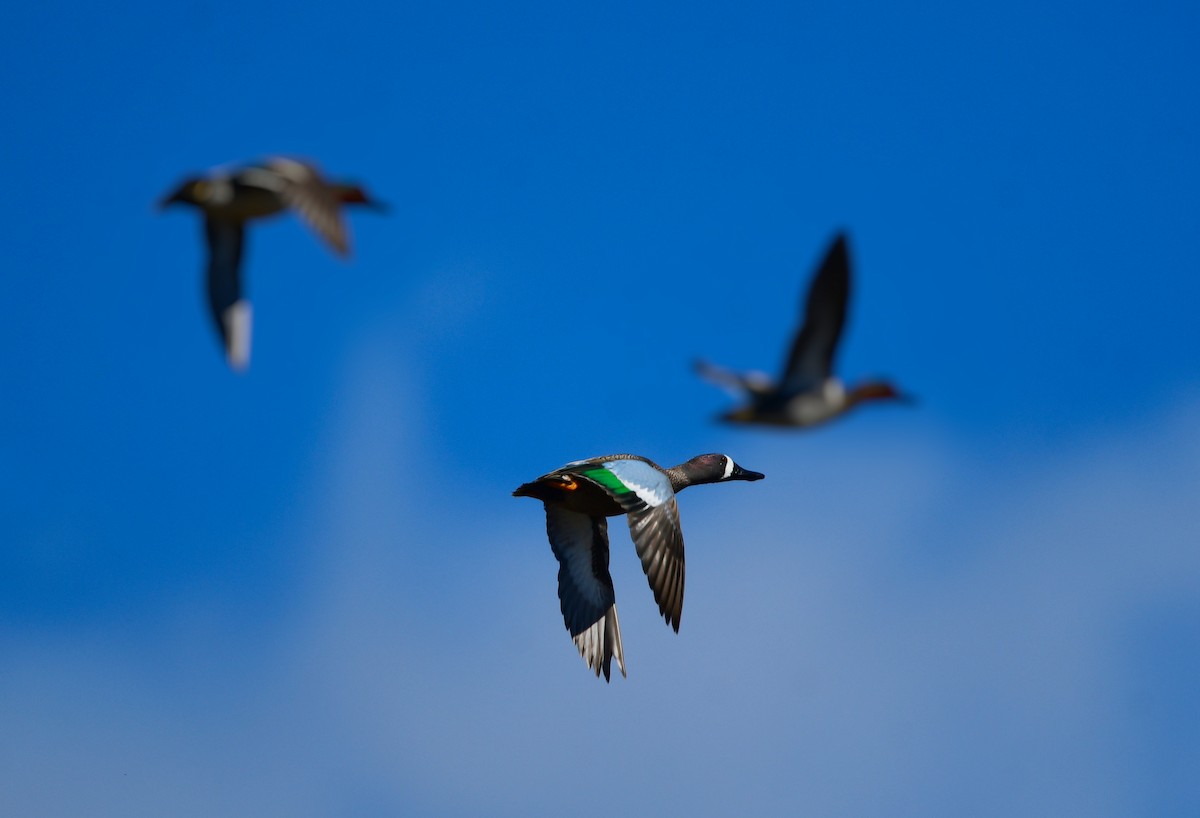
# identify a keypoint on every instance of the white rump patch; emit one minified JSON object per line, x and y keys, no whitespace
{"x":650,"y":485}
{"x":237,"y":324}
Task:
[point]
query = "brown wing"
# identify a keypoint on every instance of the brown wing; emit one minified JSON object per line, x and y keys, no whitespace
{"x":305,"y":192}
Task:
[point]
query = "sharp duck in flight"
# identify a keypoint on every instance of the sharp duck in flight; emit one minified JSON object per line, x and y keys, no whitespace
{"x":579,"y":498}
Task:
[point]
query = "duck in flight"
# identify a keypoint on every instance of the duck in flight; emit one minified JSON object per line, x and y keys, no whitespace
{"x":579,"y":498}
{"x":807,"y":392}
{"x":229,"y":199}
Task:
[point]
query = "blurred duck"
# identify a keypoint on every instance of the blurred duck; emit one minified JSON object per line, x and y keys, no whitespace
{"x":229,"y":199}
{"x":578,"y":499}
{"x":807,"y":393}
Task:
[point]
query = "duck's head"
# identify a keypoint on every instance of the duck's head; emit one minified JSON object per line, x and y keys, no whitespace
{"x":194,"y":191}
{"x":357,"y":195}
{"x":716,"y":468}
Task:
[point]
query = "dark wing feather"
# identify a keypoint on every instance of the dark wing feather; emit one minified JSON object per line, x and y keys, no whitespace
{"x":585,"y":589}
{"x":810,"y":361}
{"x":655,"y":530}
{"x":230,"y":312}
{"x":658,"y":538}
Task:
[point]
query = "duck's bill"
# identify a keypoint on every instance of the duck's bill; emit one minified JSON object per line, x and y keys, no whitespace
{"x":353,"y":194}
{"x":739,"y":473}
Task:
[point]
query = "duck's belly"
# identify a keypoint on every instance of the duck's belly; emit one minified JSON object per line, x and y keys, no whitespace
{"x":810,"y":409}
{"x":817,"y":405}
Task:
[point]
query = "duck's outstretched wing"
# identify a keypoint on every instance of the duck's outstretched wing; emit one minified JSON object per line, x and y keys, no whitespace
{"x":736,"y":383}
{"x":810,"y":361}
{"x":230,"y":312}
{"x":585,"y":588}
{"x":649,"y":501}
{"x":313,"y":199}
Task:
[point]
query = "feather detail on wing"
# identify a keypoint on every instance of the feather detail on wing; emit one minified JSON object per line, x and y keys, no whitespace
{"x":658,"y":539}
{"x":646,"y":495}
{"x":585,"y":589}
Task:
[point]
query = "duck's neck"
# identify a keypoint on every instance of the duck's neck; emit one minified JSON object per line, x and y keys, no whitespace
{"x":688,"y":474}
{"x":678,"y":477}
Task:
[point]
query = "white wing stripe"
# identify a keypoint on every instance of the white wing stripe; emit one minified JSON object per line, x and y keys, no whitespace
{"x":650,"y":485}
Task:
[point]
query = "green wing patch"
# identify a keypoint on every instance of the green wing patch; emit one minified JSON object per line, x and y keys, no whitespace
{"x":607,"y":479}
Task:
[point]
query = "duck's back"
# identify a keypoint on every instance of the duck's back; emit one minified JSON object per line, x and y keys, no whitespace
{"x":591,"y":486}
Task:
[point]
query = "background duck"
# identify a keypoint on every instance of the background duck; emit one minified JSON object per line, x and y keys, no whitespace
{"x":229,"y":199}
{"x":578,"y":499}
{"x":807,"y":392}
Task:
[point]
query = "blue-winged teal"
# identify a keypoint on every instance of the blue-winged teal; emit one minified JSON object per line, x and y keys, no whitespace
{"x":578,"y":499}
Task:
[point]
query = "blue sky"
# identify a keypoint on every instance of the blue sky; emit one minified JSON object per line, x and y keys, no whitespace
{"x":307,"y":591}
